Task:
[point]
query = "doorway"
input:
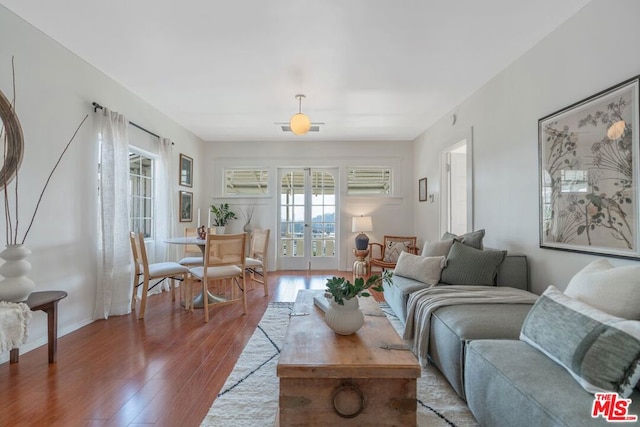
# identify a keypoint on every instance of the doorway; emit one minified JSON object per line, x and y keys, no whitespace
{"x":308,"y":226}
{"x":457,"y":188}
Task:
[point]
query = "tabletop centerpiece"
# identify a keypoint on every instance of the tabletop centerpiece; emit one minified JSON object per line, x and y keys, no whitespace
{"x":222,"y":214}
{"x":343,"y":315}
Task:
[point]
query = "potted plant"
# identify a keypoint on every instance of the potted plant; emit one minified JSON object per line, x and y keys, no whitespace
{"x":222,"y":214}
{"x":343,"y":315}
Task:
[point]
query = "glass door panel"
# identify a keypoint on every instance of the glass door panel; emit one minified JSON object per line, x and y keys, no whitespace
{"x":307,"y":219}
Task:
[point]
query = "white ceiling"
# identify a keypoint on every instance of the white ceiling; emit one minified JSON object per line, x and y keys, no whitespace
{"x":371,"y":69}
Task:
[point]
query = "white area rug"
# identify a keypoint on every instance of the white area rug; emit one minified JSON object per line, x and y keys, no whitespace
{"x":250,"y":395}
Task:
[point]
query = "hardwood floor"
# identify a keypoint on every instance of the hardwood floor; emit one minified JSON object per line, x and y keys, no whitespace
{"x":165,"y":370}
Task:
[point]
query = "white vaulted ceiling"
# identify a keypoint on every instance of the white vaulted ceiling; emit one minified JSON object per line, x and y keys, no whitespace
{"x":370,"y":69}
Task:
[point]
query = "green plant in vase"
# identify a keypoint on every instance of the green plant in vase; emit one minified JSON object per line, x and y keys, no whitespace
{"x":340,"y":289}
{"x":222,"y":214}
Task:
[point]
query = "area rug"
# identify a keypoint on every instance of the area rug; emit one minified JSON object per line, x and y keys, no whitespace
{"x":250,"y":395}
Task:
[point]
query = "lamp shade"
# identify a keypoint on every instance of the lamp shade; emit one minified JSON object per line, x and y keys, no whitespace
{"x":358,"y":225}
{"x":299,"y":124}
{"x":361,"y":223}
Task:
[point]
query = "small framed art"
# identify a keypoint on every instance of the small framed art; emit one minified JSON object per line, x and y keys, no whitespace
{"x":186,"y":206}
{"x":186,"y":170}
{"x":422,"y":189}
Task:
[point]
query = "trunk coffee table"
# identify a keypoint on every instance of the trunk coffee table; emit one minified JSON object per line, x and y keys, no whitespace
{"x":368,"y":378}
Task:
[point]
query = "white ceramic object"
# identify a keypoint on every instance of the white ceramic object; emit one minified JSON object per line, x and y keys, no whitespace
{"x":344,"y":319}
{"x":15,"y":286}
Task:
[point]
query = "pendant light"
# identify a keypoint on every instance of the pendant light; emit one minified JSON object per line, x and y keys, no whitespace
{"x":300,"y":123}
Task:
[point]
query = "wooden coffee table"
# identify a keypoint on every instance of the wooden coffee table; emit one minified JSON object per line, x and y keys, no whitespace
{"x":368,"y":378}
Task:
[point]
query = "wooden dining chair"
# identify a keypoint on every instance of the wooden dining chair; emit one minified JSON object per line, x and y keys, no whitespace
{"x":193,"y":255}
{"x":224,"y":263}
{"x":148,"y":272}
{"x":256,"y":262}
{"x":386,"y":253}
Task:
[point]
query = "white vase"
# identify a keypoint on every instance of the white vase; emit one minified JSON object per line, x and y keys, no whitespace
{"x":15,"y":286}
{"x":247,"y":227}
{"x":344,"y":319}
{"x":220,"y":229}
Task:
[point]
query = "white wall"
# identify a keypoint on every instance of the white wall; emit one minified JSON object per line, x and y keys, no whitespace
{"x":54,"y":91}
{"x":594,"y":50}
{"x":390,"y":215}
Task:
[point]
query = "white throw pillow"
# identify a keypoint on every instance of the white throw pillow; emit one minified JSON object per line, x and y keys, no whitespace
{"x":438,"y":248}
{"x":614,"y":290}
{"x":423,"y":269}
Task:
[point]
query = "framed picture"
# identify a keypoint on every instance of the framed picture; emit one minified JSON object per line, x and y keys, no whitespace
{"x":186,"y":206}
{"x":186,"y":170}
{"x":589,"y":169}
{"x":422,"y":189}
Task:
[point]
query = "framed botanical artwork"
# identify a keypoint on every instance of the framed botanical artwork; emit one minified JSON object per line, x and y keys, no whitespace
{"x":186,"y":170}
{"x":422,"y":189}
{"x":186,"y":206}
{"x":589,"y":170}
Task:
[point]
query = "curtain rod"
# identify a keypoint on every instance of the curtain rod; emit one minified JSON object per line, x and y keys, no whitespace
{"x":97,"y":107}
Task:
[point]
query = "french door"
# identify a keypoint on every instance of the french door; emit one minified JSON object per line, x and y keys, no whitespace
{"x":308,"y":226}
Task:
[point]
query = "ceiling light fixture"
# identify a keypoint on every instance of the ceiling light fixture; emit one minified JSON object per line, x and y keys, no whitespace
{"x":299,"y":123}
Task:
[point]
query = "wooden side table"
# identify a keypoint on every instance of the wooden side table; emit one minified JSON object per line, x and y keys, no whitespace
{"x":360,"y":266}
{"x":46,"y":301}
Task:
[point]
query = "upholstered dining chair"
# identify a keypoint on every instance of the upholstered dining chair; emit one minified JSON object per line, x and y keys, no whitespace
{"x":224,"y":263}
{"x":148,"y":272}
{"x":192,"y":253}
{"x":256,"y":261}
{"x":386,"y":253}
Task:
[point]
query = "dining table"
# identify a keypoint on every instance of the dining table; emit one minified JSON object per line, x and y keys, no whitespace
{"x":198,"y":300}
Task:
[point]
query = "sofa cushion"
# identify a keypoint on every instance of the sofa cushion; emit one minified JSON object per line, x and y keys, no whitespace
{"x":513,"y":272}
{"x":613,"y":290}
{"x":509,"y":383}
{"x":470,"y":266}
{"x":472,"y":238}
{"x":452,"y":326}
{"x":423,"y":269}
{"x":602,"y":352}
{"x":397,"y":294}
{"x":439,"y":248}
{"x":393,"y":250}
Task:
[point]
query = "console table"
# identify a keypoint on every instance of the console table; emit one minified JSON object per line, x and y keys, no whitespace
{"x":46,"y":301}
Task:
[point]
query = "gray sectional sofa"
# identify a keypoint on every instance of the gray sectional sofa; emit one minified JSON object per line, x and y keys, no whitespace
{"x":509,"y":383}
{"x":453,"y":326}
{"x":505,"y":381}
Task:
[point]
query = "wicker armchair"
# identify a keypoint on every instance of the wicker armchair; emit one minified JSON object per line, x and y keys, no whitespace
{"x":385,"y":254}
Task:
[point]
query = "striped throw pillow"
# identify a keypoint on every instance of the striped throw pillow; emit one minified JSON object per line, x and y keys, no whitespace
{"x":601,"y":351}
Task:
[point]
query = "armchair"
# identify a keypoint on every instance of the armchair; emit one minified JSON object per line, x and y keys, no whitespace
{"x":386,"y":253}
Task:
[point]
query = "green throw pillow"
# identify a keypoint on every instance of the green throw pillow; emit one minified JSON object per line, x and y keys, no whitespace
{"x":470,"y":266}
{"x":473,"y":238}
{"x":600,"y":351}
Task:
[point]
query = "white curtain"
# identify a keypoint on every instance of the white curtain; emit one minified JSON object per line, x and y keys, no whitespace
{"x":164,"y":209}
{"x":113,"y":296}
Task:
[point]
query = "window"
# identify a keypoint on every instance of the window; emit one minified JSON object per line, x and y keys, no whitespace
{"x":141,"y":189}
{"x":369,"y":181}
{"x":246,"y":182}
{"x":574,"y":181}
